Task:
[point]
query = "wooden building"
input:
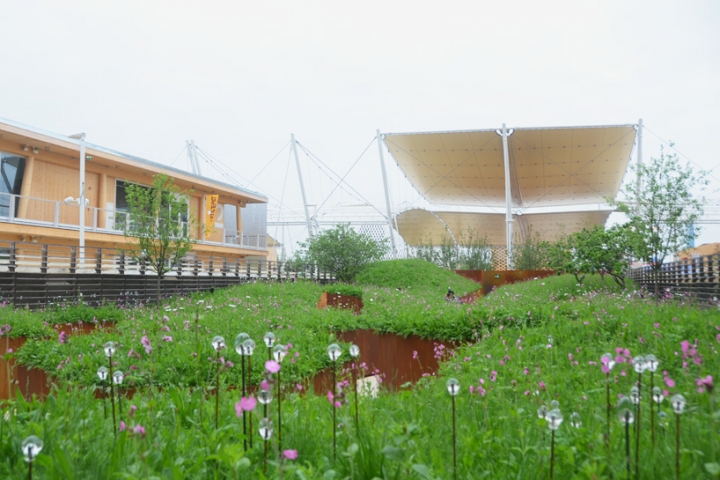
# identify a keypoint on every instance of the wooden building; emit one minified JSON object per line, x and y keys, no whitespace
{"x":40,"y":187}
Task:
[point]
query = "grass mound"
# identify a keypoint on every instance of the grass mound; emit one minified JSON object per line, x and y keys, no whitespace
{"x":414,"y":274}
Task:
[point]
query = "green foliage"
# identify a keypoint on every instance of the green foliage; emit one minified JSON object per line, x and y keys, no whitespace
{"x":426,"y":251}
{"x":404,"y":434}
{"x":447,"y":253}
{"x":531,"y":253}
{"x":344,"y":289}
{"x":666,"y":204}
{"x":159,"y":230}
{"x":343,"y":251}
{"x":475,"y":253}
{"x":415,"y":274}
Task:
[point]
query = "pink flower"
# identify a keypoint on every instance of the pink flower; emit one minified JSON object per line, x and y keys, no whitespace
{"x":493,"y":376}
{"x":338,"y":404}
{"x":246,"y":404}
{"x":705,"y":384}
{"x":123,"y":427}
{"x":541,"y":385}
{"x":139,"y":430}
{"x":132,"y":410}
{"x":472,"y":389}
{"x":167,"y":338}
{"x":669,"y":382}
{"x":272,"y":366}
{"x":146,"y":343}
{"x":299,"y":387}
{"x":330,"y":396}
{"x":62,"y":338}
{"x":685,"y":347}
{"x":622,"y":373}
{"x":264,"y":385}
{"x":290,"y":454}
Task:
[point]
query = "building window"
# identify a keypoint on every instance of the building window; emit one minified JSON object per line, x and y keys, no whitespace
{"x":12,"y":169}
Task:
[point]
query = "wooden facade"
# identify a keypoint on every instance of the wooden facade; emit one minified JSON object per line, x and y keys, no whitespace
{"x":51,"y":173}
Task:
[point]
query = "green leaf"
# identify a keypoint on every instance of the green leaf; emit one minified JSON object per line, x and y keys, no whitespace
{"x":713,"y":468}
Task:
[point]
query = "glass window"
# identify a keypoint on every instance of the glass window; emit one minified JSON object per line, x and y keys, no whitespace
{"x":12,"y":168}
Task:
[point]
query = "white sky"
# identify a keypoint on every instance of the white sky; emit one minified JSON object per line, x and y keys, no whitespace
{"x":238,"y":76}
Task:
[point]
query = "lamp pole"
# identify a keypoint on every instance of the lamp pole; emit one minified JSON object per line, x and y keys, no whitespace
{"x":81,"y":199}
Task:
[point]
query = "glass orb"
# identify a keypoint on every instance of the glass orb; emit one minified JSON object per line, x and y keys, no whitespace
{"x":239,"y":341}
{"x":118,"y":376}
{"x":554,"y":404}
{"x":31,"y":446}
{"x":218,"y":343}
{"x":279,"y":351}
{"x":354,"y":351}
{"x":109,"y":349}
{"x":657,"y":395}
{"x":608,"y":359}
{"x":269,"y":339}
{"x":663,"y":419}
{"x":102,"y":373}
{"x":626,"y":416}
{"x":542,"y":411}
{"x":248,"y":346}
{"x":678,"y":403}
{"x":453,"y":386}
{"x":651,"y":362}
{"x":638,"y":364}
{"x":266,"y":429}
{"x":554,"y":418}
{"x":575,"y":420}
{"x":334,"y":351}
{"x":635,"y":395}
{"x":265,"y":396}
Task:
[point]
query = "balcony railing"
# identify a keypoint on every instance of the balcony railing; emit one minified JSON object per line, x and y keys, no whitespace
{"x":56,"y":214}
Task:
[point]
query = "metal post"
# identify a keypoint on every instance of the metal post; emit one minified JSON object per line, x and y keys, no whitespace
{"x":302,"y":186}
{"x":639,"y":164}
{"x":82,"y":200}
{"x":508,"y":202}
{"x":387,"y":194}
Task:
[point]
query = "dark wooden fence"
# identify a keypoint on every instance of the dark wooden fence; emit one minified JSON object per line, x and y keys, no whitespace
{"x":36,"y":275}
{"x":699,"y":277}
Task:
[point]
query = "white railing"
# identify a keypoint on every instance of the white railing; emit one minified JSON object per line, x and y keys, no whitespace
{"x":56,"y":214}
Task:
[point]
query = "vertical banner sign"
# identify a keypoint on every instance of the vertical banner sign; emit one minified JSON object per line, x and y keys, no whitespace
{"x":211,"y":202}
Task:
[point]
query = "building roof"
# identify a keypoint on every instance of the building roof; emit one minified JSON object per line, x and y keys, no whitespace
{"x":63,"y":144}
{"x":423,"y":227}
{"x":549,"y":167}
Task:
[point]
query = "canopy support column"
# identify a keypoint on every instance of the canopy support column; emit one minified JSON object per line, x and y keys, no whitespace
{"x":508,"y":202}
{"x":639,"y":164}
{"x":302,"y":185}
{"x":387,"y":194}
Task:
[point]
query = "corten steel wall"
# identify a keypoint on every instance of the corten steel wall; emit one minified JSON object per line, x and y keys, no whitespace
{"x":391,"y":355}
{"x":698,"y":277}
{"x":495,"y":278}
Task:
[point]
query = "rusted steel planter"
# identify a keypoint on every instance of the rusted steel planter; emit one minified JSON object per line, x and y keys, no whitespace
{"x":341,"y":301}
{"x":396,"y":360}
{"x":33,"y":381}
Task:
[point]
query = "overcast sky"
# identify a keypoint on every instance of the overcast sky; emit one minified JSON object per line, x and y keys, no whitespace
{"x":238,"y":77}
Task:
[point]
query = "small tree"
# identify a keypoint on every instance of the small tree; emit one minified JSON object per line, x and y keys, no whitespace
{"x":532,"y":253}
{"x":476,"y":253}
{"x":159,"y":226}
{"x":447,"y":253}
{"x":343,"y":250}
{"x":662,"y":209}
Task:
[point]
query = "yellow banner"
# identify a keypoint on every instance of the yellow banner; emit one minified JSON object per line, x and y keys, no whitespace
{"x":211,"y":203}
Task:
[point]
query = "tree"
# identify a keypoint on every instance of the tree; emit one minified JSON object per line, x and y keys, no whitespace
{"x":343,"y":250}
{"x":476,"y":253}
{"x":531,"y":254}
{"x":159,"y":226}
{"x":662,"y":208}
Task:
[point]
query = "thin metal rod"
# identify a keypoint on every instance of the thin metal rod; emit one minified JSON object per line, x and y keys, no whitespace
{"x":119,"y":399}
{"x":112,"y":395}
{"x":354,"y":374}
{"x":249,"y":379}
{"x":639,"y":163}
{"x":607,"y":426}
{"x":652,"y":409}
{"x":242,"y":369}
{"x":638,"y":430}
{"x":279,"y":414}
{"x":387,"y":194}
{"x":81,"y":201}
{"x":334,"y":414}
{"x":677,"y":447}
{"x":627,"y":442}
{"x":217,"y":389}
{"x":452,"y":397}
{"x":102,"y":383}
{"x":552,"y":454}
